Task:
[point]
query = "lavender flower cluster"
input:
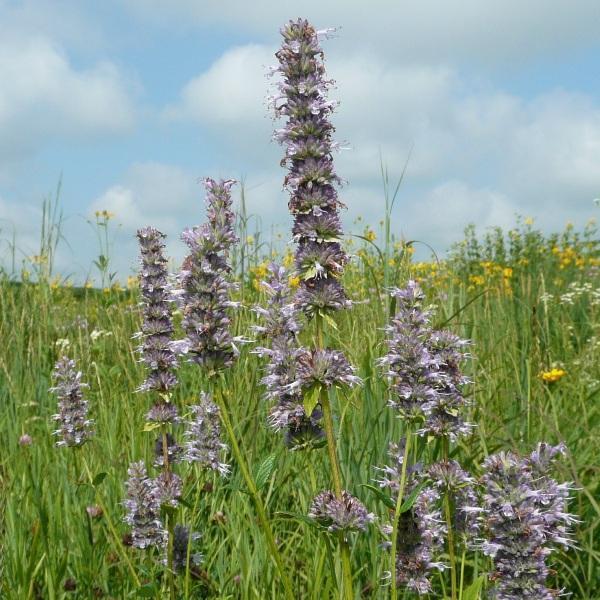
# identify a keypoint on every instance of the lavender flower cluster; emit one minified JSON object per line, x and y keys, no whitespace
{"x":345,"y":514}
{"x":157,"y":326}
{"x":517,"y":513}
{"x":525,"y":519}
{"x":203,"y":436}
{"x":75,"y":428}
{"x":280,"y":327}
{"x":424,"y":368}
{"x":204,"y":292}
{"x":145,"y":495}
{"x":311,"y":177}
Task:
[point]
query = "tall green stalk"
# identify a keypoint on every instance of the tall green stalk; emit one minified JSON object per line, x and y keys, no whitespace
{"x":335,"y":469}
{"x":258,"y":503}
{"x":399,"y":501}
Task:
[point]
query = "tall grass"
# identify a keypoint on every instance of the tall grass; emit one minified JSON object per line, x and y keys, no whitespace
{"x":521,"y":297}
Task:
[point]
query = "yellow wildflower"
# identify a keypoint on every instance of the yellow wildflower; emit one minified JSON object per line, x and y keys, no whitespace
{"x":294,"y":281}
{"x":553,"y":375}
{"x":288,"y":260}
{"x":507,"y":272}
{"x":370,"y":235}
{"x":529,"y":221}
{"x":477,"y":279}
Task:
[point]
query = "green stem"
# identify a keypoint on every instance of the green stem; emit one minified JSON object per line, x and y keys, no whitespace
{"x":448,"y":515}
{"x":399,"y":500}
{"x":260,"y":509}
{"x":111,"y":527}
{"x":335,"y":472}
{"x":170,"y":524}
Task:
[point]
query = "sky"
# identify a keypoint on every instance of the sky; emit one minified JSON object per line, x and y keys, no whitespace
{"x":493,"y":107}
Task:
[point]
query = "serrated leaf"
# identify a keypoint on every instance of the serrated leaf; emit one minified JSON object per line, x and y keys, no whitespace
{"x":311,"y":399}
{"x":381,"y":495}
{"x":99,"y":478}
{"x":151,"y":426}
{"x":264,"y":471}
{"x":473,"y":592}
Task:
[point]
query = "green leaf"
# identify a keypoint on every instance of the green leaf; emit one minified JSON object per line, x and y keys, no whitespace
{"x":473,"y":592}
{"x":412,"y":497}
{"x":380,"y":495}
{"x":296,"y":517}
{"x":151,"y":426}
{"x":99,"y":478}
{"x":265,"y":470}
{"x":311,"y":399}
{"x":329,"y":320}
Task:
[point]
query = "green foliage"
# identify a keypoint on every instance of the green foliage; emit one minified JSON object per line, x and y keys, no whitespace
{"x":529,"y":302}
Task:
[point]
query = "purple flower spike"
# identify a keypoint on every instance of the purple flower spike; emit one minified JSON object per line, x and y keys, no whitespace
{"x":74,"y":425}
{"x":157,"y":326}
{"x":203,"y":434}
{"x":279,"y":326}
{"x":143,"y":508}
{"x":525,"y":518}
{"x":424,"y":368}
{"x":205,"y":288}
{"x":311,"y":178}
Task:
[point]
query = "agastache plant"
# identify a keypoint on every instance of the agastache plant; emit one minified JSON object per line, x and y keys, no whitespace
{"x":75,"y":428}
{"x":525,"y":518}
{"x":205,"y":287}
{"x":204,"y":298}
{"x":312,"y":181}
{"x":279,"y":328}
{"x":311,"y":178}
{"x":424,"y":370}
{"x":157,"y":327}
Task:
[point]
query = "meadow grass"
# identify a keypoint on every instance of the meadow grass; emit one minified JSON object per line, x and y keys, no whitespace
{"x":528,"y":302}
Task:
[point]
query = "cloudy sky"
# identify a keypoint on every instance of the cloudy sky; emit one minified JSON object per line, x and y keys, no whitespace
{"x":132,"y":101}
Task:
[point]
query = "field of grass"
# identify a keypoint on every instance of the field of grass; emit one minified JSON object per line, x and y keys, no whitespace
{"x":528,"y":302}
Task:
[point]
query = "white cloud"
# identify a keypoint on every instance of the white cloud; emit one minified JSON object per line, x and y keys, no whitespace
{"x":151,"y":194}
{"x":478,"y":153}
{"x":42,"y":97}
{"x":478,"y":31}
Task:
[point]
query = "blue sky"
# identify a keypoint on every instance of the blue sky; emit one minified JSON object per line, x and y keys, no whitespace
{"x":133,"y":100}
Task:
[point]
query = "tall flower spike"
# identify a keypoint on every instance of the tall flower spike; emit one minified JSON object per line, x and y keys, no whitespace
{"x":444,"y":411}
{"x":74,"y":426}
{"x":143,"y":508}
{"x":424,"y":368}
{"x":279,"y":327}
{"x":205,"y":288}
{"x":525,"y":518}
{"x":157,"y":326}
{"x":311,"y":178}
{"x":412,"y":369}
{"x":203,"y":436}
